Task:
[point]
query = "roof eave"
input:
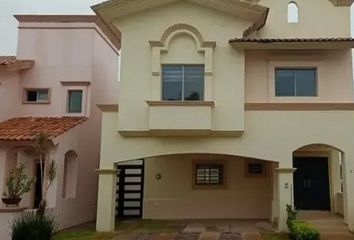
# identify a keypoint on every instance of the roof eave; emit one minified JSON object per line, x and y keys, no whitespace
{"x":22,"y":65}
{"x":259,"y":10}
{"x":292,"y":45}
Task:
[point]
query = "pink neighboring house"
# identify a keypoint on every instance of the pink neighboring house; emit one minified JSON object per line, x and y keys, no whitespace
{"x":65,"y":66}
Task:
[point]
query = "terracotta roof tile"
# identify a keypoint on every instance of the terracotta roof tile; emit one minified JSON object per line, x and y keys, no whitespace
{"x":273,"y":40}
{"x":26,"y":128}
{"x":11,"y":63}
{"x":6,"y":60}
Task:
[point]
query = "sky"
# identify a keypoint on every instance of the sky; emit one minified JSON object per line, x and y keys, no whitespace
{"x":8,"y":24}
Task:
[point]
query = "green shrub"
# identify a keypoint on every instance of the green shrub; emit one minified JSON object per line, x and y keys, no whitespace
{"x":33,"y":226}
{"x":300,"y":230}
{"x":292,"y":215}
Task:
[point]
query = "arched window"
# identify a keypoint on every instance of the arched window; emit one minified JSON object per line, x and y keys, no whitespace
{"x":293,"y":12}
{"x":70,"y":175}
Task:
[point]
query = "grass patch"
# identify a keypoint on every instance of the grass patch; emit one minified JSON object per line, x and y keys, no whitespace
{"x":275,"y":236}
{"x":82,"y":235}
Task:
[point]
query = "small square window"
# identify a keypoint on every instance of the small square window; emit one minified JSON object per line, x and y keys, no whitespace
{"x":75,"y":101}
{"x":255,"y":168}
{"x":37,"y":95}
{"x":207,"y":174}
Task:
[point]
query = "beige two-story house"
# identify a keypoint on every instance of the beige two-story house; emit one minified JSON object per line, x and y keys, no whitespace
{"x":229,"y":109}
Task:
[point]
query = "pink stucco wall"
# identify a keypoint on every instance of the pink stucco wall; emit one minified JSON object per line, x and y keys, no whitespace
{"x":9,"y":94}
{"x":66,"y":52}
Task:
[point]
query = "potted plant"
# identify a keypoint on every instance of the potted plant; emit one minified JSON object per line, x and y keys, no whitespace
{"x":17,"y":183}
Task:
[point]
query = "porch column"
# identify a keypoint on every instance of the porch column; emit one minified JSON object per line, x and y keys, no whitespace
{"x":349,"y":189}
{"x":106,"y":205}
{"x":285,"y":195}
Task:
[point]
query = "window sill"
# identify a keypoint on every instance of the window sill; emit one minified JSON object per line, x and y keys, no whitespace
{"x":209,"y":187}
{"x":40,"y":103}
{"x":181,"y":103}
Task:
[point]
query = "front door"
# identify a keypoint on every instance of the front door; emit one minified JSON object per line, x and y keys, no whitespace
{"x":130,"y":190}
{"x":311,"y":183}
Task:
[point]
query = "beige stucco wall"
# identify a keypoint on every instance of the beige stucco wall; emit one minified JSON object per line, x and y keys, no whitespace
{"x":173,"y":197}
{"x":334,"y":74}
{"x":235,"y":77}
{"x":136,"y":75}
{"x":317,"y":18}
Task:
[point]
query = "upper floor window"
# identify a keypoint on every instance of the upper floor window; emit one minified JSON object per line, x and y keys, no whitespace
{"x":296,"y":82}
{"x":36,"y":95}
{"x":183,"y":82}
{"x":75,"y":101}
{"x":293,"y":12}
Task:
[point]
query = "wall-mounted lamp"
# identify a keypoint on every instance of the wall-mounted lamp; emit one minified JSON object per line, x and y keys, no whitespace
{"x":158,"y":176}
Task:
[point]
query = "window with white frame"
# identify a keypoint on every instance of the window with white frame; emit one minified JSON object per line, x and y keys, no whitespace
{"x":74,"y":104}
{"x":182,"y":82}
{"x":40,"y":95}
{"x":209,"y":174}
{"x":295,"y":82}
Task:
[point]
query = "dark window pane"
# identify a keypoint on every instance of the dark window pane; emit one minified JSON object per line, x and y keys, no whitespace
{"x":194,"y":83}
{"x":306,"y":82}
{"x":172,"y":76}
{"x":284,"y":83}
{"x":255,"y":168}
{"x":75,"y":101}
{"x":31,"y":96}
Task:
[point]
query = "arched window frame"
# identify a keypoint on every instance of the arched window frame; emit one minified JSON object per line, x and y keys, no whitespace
{"x":293,"y":12}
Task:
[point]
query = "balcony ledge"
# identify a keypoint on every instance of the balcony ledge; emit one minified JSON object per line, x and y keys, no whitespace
{"x":181,"y":103}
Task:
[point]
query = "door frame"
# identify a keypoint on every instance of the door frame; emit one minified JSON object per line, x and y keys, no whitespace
{"x":314,"y":154}
{"x":120,"y":201}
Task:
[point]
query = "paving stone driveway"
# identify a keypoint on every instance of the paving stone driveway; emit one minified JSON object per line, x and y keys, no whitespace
{"x":201,"y":230}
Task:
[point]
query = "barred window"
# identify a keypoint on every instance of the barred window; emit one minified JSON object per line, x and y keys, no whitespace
{"x":209,"y":174}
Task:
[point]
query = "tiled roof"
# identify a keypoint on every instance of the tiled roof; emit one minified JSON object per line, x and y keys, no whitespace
{"x":26,"y":128}
{"x":279,"y":40}
{"x":6,"y":60}
{"x":11,"y":63}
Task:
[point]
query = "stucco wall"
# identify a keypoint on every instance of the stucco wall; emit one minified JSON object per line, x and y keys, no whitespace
{"x":65,"y":52}
{"x":60,"y":55}
{"x":317,"y":18}
{"x":173,"y":197}
{"x":227,"y":84}
{"x":9,"y":94}
{"x":334,"y":74}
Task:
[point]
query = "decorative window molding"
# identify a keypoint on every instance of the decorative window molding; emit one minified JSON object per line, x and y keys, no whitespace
{"x":161,"y":48}
{"x":293,"y":64}
{"x":158,"y":47}
{"x":75,"y":83}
